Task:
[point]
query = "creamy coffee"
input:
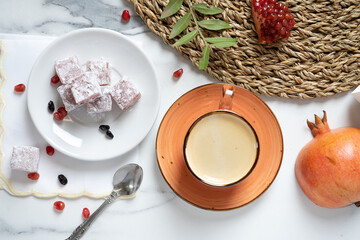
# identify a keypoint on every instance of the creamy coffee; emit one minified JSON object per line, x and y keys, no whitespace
{"x":221,"y":148}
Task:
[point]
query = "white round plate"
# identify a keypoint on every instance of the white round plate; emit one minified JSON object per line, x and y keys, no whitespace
{"x":78,"y":135}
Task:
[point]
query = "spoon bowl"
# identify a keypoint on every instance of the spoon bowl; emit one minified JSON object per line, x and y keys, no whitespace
{"x":127,"y":179}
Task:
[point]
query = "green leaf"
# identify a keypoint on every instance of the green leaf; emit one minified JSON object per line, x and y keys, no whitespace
{"x":220,"y":39}
{"x":186,"y":38}
{"x":172,"y":8}
{"x":224,"y":45}
{"x":203,"y":62}
{"x":222,"y":42}
{"x":202,"y":8}
{"x":214,"y":24}
{"x":180,"y":25}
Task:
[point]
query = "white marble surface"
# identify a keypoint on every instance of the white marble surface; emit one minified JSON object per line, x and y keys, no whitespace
{"x":282,"y":212}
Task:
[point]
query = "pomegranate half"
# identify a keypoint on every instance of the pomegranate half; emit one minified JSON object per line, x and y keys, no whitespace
{"x":328,"y":167}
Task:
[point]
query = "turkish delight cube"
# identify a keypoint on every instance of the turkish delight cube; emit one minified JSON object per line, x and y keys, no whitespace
{"x":102,"y":70}
{"x":85,"y":88}
{"x":67,"y":97}
{"x":125,"y":94}
{"x":25,"y":158}
{"x":102,"y":103}
{"x":68,"y":69}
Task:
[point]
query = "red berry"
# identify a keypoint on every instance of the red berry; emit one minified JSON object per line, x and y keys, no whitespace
{"x":272,"y":20}
{"x":50,"y":150}
{"x":33,"y":175}
{"x":19,"y":88}
{"x":85,"y":213}
{"x":178,"y":73}
{"x":58,"y":116}
{"x":55,"y":79}
{"x":63,"y":111}
{"x":59,"y":205}
{"x":125,"y":17}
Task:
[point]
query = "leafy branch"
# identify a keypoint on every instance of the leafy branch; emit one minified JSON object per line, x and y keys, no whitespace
{"x":210,"y":24}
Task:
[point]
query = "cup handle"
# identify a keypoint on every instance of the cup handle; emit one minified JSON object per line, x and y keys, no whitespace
{"x":227,"y":97}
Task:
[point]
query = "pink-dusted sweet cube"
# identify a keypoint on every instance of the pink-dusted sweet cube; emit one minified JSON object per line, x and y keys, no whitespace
{"x":125,"y":94}
{"x":85,"y":88}
{"x":25,"y":158}
{"x":67,"y":97}
{"x":68,"y":69}
{"x":102,"y":70}
{"x":102,"y":103}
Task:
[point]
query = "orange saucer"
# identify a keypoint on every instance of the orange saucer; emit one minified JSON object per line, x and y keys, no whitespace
{"x":170,"y":142}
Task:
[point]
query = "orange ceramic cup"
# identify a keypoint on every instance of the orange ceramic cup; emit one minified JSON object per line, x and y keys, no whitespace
{"x":170,"y":147}
{"x":221,"y":148}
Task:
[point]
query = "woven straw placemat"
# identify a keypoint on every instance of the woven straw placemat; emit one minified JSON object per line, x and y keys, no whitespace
{"x":321,"y":57}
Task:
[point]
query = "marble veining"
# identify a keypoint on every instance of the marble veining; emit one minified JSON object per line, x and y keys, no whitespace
{"x":56,"y":17}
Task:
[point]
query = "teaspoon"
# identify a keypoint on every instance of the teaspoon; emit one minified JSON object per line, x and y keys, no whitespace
{"x":126,"y":182}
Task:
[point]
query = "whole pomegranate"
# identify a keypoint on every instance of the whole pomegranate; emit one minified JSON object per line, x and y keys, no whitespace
{"x":328,"y":167}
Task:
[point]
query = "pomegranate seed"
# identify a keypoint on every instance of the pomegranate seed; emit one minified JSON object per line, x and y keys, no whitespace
{"x":288,"y":16}
{"x":50,"y":150}
{"x":282,"y":31}
{"x":287,"y":34}
{"x":278,"y":26}
{"x":59,"y":205}
{"x":125,"y":16}
{"x":85,"y":213}
{"x":291,"y":23}
{"x":58,"y":116}
{"x":285,"y":23}
{"x":19,"y":88}
{"x":33,"y":176}
{"x":178,"y":73}
{"x":55,"y":79}
{"x":62,"y":111}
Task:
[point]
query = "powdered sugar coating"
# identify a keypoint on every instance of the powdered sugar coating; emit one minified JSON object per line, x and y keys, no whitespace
{"x":68,"y":69}
{"x":102,"y":103}
{"x":125,"y":94}
{"x":85,"y":88}
{"x":25,"y":158}
{"x":102,"y":70}
{"x":67,"y":97}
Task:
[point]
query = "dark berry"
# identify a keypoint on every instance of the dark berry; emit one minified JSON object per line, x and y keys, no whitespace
{"x":33,"y":176}
{"x":62,"y":179}
{"x":109,"y":134}
{"x":85,"y":213}
{"x":50,"y":150}
{"x":51,"y":106}
{"x":59,"y":205}
{"x":104,"y":127}
{"x":19,"y":88}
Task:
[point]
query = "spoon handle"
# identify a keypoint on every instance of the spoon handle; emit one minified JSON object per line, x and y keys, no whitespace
{"x":80,"y":230}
